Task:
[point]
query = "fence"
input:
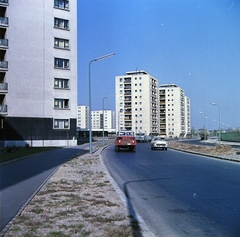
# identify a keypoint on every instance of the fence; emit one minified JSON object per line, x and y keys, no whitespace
{"x":231,"y":136}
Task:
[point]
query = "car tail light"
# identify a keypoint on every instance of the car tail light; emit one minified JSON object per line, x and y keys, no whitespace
{"x":133,"y":140}
{"x":119,"y":139}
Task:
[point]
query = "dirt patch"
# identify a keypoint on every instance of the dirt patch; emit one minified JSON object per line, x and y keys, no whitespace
{"x":217,"y":150}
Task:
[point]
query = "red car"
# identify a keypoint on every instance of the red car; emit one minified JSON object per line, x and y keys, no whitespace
{"x":125,"y":139}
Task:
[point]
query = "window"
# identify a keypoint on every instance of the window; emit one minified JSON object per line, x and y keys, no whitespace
{"x":61,"y":83}
{"x":61,"y":43}
{"x":61,"y":103}
{"x":61,"y":124}
{"x":61,"y":63}
{"x":61,"y":23}
{"x":63,"y":4}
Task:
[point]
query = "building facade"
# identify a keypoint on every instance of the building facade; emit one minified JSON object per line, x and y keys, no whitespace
{"x":83,"y":117}
{"x":97,"y":119}
{"x":106,"y":120}
{"x":174,"y":111}
{"x":137,"y":102}
{"x":143,"y":106}
{"x":38,"y":72}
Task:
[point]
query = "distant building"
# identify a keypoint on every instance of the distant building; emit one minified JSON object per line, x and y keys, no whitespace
{"x":83,"y":117}
{"x":38,"y":72}
{"x":108,"y":118}
{"x":174,"y":111}
{"x":142,"y":106}
{"x":137,"y":102}
{"x":97,"y":119}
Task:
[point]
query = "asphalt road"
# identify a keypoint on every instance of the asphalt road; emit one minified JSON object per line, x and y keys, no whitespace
{"x":179,"y":194}
{"x":20,"y":180}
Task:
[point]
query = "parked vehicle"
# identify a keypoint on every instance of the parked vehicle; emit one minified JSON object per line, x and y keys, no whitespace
{"x":148,"y":138}
{"x":159,"y":142}
{"x":141,"y":137}
{"x":125,"y":139}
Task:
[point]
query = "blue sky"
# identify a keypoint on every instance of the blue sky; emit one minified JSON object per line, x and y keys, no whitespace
{"x":192,"y":43}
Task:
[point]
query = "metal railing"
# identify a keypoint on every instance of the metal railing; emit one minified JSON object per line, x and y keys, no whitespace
{"x":3,"y":1}
{"x":3,"y":109}
{"x":4,"y":43}
{"x":3,"y":21}
{"x":3,"y":65}
{"x":3,"y":87}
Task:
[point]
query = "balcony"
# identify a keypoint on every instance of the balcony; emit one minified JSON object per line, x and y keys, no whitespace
{"x":4,"y":2}
{"x":126,"y":81}
{"x":4,"y":21}
{"x":3,"y":88}
{"x":3,"y":109}
{"x":3,"y":65}
{"x":4,"y":43}
{"x":128,"y":125}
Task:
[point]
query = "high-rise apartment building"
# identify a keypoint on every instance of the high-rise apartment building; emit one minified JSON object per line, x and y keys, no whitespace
{"x":137,"y":102}
{"x":83,"y":117}
{"x":107,"y":120}
{"x":38,"y":72}
{"x":174,"y":111}
{"x":142,"y":106}
{"x":97,"y":119}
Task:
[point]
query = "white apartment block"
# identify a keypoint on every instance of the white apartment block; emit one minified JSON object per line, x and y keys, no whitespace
{"x":174,"y":111}
{"x":83,"y":117}
{"x":137,"y":102}
{"x":107,"y":120}
{"x":96,"y":119}
{"x":38,"y":72}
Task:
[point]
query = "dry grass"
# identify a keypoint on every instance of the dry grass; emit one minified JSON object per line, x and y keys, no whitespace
{"x":78,"y":201}
{"x":217,"y":150}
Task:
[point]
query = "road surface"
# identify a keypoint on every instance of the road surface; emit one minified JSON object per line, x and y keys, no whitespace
{"x":179,"y":194}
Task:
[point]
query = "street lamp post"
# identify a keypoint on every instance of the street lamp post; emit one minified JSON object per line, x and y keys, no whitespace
{"x":219,"y":121}
{"x":89,"y":92}
{"x":103,"y":113}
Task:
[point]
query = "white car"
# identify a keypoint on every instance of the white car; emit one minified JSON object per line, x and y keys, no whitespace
{"x":159,"y":142}
{"x":140,"y":137}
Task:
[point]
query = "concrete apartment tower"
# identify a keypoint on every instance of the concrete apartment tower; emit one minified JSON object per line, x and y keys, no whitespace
{"x":174,"y":111}
{"x":109,"y":120}
{"x":137,"y":102}
{"x":82,"y":117}
{"x":38,"y":72}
